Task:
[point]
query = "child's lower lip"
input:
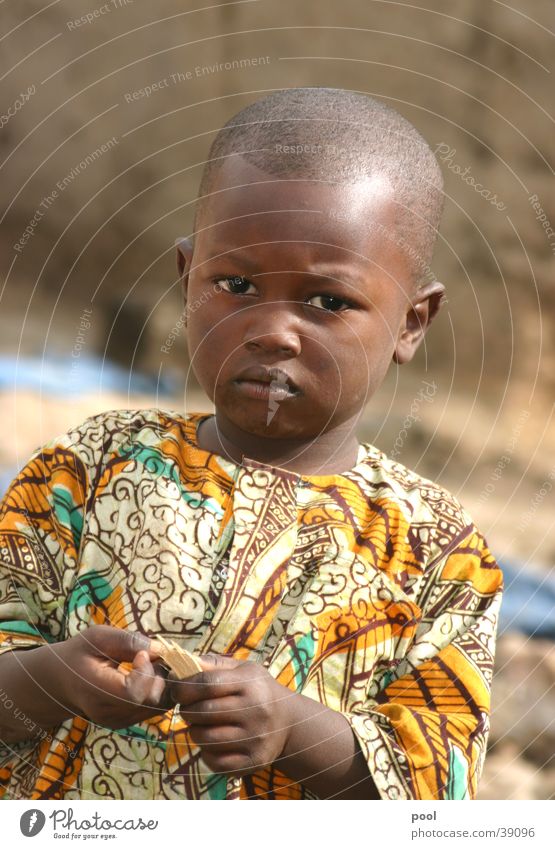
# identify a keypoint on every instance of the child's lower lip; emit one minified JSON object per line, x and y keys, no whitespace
{"x":261,"y":391}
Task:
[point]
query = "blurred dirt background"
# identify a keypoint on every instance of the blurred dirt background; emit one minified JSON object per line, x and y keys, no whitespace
{"x":476,"y":78}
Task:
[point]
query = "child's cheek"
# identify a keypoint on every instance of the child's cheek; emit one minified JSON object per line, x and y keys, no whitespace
{"x":206,"y":335}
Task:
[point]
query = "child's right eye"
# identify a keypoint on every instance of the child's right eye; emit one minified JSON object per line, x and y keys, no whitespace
{"x":234,"y":285}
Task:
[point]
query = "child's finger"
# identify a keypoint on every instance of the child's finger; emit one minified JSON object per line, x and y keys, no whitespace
{"x":205,"y":685}
{"x":129,"y":683}
{"x":159,"y":694}
{"x":140,"y":681}
{"x":117,"y":644}
{"x":212,"y":661}
{"x":219,"y":738}
{"x":213,"y":712}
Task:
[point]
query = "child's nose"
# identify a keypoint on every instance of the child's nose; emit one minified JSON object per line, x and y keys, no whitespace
{"x":271,"y":330}
{"x":284,"y":344}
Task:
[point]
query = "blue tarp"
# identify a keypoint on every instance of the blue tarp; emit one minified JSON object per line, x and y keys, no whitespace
{"x":528,"y":601}
{"x":82,"y":376}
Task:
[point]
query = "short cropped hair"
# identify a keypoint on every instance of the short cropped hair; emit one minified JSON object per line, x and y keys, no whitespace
{"x":338,"y":136}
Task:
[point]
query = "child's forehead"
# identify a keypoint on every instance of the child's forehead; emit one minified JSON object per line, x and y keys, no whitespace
{"x":247,"y":204}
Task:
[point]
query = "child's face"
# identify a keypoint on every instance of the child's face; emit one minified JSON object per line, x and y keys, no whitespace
{"x":304,"y":277}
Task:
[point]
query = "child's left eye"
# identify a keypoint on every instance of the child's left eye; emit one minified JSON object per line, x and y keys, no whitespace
{"x":329,"y":303}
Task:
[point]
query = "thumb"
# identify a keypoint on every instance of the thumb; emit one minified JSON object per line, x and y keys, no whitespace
{"x":142,"y":684}
{"x":117,"y":644}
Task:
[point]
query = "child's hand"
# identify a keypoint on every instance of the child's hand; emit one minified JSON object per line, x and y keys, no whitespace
{"x":238,"y":714}
{"x":91,"y":685}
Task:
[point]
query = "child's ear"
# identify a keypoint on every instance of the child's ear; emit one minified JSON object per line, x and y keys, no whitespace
{"x":184,"y":247}
{"x":425,"y":304}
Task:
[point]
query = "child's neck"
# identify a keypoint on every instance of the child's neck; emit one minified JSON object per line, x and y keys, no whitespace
{"x":333,"y":452}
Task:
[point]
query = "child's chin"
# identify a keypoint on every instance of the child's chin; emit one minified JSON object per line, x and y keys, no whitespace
{"x":263,"y":422}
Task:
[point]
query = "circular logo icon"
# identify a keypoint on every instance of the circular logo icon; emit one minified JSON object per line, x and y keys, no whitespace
{"x":32,"y":822}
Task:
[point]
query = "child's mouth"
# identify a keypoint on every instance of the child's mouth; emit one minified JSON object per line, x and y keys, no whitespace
{"x":263,"y":391}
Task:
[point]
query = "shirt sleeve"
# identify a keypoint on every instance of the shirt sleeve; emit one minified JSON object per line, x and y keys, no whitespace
{"x":41,"y":524}
{"x":424,"y":732}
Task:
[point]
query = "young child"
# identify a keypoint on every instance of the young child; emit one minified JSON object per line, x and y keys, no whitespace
{"x":344,"y":608}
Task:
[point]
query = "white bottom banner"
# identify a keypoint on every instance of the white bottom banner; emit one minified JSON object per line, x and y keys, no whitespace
{"x":398,"y":824}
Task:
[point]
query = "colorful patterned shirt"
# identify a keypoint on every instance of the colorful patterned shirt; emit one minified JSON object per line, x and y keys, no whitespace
{"x":370,"y":591}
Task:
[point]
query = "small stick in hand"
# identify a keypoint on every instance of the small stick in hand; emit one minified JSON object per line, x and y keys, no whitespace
{"x":181,"y":662}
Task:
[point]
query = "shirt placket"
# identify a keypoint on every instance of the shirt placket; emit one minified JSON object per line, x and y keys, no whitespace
{"x":263,"y":538}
